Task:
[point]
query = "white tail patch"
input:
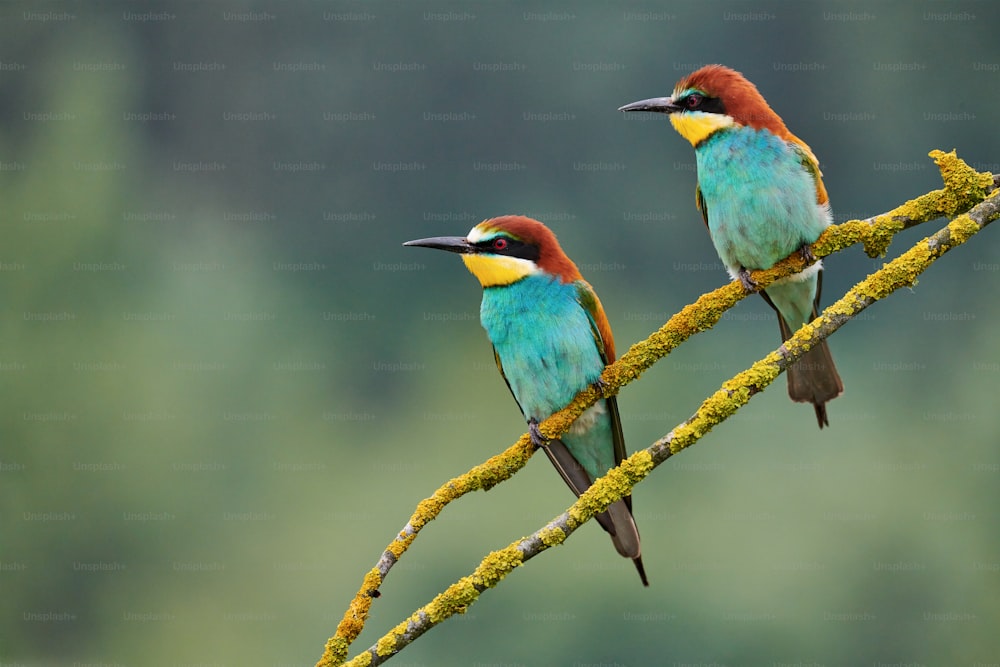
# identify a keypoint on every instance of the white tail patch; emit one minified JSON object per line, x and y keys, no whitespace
{"x":589,"y":417}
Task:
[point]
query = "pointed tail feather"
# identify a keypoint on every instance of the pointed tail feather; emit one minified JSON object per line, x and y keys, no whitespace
{"x":625,"y":536}
{"x":813,"y":378}
{"x":616,"y":520}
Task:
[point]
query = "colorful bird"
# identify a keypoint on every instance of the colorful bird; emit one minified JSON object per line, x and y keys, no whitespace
{"x":761,"y":195}
{"x":551,"y":339}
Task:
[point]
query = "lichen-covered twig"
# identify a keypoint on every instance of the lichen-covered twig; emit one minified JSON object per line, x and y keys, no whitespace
{"x":733,"y":394}
{"x":484,"y":476}
{"x":964,"y":187}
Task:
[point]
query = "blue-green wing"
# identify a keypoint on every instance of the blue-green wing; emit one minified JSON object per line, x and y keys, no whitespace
{"x":699,"y":201}
{"x":604,"y":341}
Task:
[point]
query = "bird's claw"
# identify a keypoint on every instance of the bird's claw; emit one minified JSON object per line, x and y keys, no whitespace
{"x":537,"y":439}
{"x":748,"y":283}
{"x":807,"y":254}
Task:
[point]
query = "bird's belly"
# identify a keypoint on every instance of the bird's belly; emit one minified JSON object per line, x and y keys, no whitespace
{"x":756,"y":234}
{"x":760,"y":210}
{"x":545,"y":377}
{"x":548,"y":354}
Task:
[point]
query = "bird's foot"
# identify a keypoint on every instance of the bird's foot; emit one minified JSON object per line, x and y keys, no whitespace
{"x":748,"y":283}
{"x":537,"y":439}
{"x":807,"y":254}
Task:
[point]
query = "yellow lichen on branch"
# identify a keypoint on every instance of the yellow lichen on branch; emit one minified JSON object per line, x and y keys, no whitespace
{"x":353,"y":621}
{"x":901,"y":272}
{"x":964,"y":188}
{"x":484,"y":476}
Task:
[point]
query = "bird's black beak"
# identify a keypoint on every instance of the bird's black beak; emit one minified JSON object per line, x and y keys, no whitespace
{"x":656,"y":104}
{"x":449,"y":243}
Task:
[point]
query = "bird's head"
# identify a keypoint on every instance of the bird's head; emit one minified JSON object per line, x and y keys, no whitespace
{"x":501,"y":251}
{"x":711,"y":99}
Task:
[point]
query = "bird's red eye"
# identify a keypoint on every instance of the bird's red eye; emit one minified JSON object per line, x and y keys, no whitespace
{"x":499,"y":244}
{"x":693,"y":101}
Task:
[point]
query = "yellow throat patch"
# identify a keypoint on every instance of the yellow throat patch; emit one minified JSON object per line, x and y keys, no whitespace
{"x":696,"y":126}
{"x":495,"y":270}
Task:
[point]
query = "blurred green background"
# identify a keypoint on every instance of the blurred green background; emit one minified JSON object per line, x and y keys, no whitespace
{"x":226,"y":384}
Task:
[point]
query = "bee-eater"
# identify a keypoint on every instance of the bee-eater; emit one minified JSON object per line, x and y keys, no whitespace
{"x":762,"y":197}
{"x":551,"y":339}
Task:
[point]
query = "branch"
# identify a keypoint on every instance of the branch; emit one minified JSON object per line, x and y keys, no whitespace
{"x":482,"y":477}
{"x":963,"y":188}
{"x":733,"y":394}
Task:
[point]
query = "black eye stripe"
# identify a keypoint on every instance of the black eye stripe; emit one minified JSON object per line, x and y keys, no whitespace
{"x":514,"y":248}
{"x":702,"y":102}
